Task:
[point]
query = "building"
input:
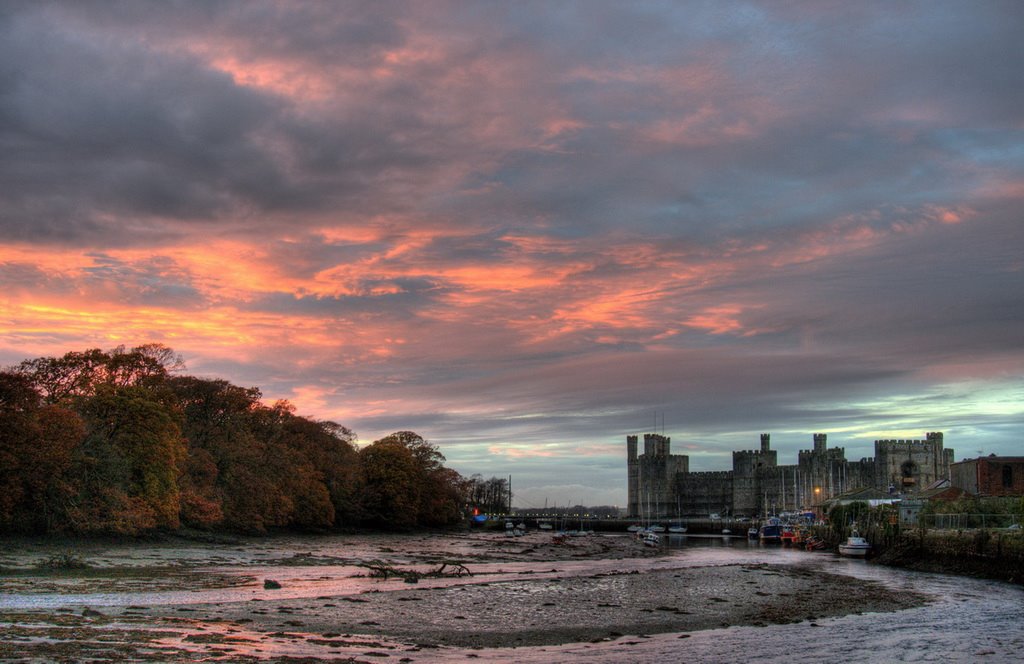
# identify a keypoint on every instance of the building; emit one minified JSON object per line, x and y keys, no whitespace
{"x":942,"y":490}
{"x":661,"y":485}
{"x":989,"y":476}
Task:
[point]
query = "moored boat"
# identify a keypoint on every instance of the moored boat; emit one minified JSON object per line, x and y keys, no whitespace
{"x":855,"y":546}
{"x":771,"y":532}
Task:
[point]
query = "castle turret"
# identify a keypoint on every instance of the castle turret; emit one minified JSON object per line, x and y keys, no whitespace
{"x":766,"y":442}
{"x":632,"y":475}
{"x":820,"y":442}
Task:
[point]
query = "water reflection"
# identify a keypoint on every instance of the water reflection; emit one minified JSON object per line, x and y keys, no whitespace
{"x":970,"y":620}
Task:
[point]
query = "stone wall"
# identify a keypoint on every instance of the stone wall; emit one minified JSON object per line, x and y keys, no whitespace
{"x":910,"y":465}
{"x":660,"y":484}
{"x":704,"y":493}
{"x":651,"y":476}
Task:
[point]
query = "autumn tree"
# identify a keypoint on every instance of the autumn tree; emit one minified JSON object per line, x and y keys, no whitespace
{"x":122,"y":442}
{"x":37,"y":443}
{"x":130,"y":461}
{"x":391,"y":484}
{"x":405,"y":483}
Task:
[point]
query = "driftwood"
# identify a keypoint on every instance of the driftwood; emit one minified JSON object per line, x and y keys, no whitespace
{"x":381,"y":570}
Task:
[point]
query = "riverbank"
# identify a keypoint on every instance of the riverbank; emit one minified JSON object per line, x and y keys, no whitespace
{"x":184,"y":602}
{"x":988,"y":554}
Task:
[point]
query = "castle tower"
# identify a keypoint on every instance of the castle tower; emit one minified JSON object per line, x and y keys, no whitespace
{"x":632,"y":475}
{"x":766,"y":442}
{"x":820,"y":442}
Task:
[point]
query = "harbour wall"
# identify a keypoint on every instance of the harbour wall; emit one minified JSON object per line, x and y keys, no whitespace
{"x":992,"y":554}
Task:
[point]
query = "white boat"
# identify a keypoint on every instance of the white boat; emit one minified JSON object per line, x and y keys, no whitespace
{"x":656,"y":528}
{"x":855,"y":546}
{"x":634,"y":528}
{"x":651,"y":539}
{"x":678,"y":529}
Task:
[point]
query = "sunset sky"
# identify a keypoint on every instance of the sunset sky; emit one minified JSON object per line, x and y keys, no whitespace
{"x":525,"y":230}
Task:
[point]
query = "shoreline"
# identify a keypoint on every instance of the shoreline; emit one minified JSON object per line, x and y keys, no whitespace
{"x":590,"y":589}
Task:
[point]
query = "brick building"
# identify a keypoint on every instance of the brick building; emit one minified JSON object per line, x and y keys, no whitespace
{"x":989,"y":476}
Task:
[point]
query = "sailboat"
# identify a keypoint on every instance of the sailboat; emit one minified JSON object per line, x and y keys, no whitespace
{"x":677,"y":528}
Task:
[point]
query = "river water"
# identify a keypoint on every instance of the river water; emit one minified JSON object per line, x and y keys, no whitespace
{"x":969,"y":620}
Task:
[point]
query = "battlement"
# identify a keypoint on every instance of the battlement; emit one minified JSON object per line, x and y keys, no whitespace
{"x":656,"y":445}
{"x":751,"y":453}
{"x":834,"y":452}
{"x":932,"y":440}
{"x":900,"y":444}
{"x":709,"y":475}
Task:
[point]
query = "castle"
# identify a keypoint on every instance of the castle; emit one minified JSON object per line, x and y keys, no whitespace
{"x":660,"y":483}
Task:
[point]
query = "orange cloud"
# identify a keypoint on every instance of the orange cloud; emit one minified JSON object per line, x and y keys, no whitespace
{"x":722,"y":319}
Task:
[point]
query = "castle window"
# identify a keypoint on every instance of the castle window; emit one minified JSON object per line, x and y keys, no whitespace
{"x":908,"y":469}
{"x":1007,"y":477}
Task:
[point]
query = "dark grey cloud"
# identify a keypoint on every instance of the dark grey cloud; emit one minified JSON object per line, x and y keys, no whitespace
{"x":533,"y":224}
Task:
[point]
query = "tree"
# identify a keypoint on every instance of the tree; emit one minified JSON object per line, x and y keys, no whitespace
{"x":37,"y":444}
{"x":390,"y":486}
{"x":74,"y":374}
{"x":405,"y":484}
{"x":113,"y":442}
{"x":488,"y":496}
{"x":131,"y":456}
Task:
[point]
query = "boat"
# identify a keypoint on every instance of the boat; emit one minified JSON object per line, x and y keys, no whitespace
{"x":512,"y":530}
{"x":657,"y":528}
{"x":726,"y":531}
{"x":677,"y":529}
{"x":788,"y":536}
{"x":545,"y":525}
{"x":812,"y":543}
{"x":651,"y":539}
{"x":855,"y":546}
{"x":752,"y":533}
{"x":634,"y":528}
{"x":771,"y":532}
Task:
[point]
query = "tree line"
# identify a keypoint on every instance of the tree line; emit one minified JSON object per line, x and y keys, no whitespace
{"x":123,"y":442}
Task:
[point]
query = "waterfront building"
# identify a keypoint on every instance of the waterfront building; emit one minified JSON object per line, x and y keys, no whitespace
{"x":660,"y":484}
{"x":989,"y":476}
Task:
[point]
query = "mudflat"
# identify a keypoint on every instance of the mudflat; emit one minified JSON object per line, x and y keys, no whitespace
{"x":493,"y":592}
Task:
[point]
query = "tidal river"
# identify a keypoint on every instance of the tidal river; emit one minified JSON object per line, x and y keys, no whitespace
{"x":602,"y":598}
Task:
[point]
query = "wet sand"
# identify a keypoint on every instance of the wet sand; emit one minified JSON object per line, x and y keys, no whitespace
{"x":553,"y":596}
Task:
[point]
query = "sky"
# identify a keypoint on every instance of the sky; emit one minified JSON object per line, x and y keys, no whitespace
{"x":526,"y":230}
